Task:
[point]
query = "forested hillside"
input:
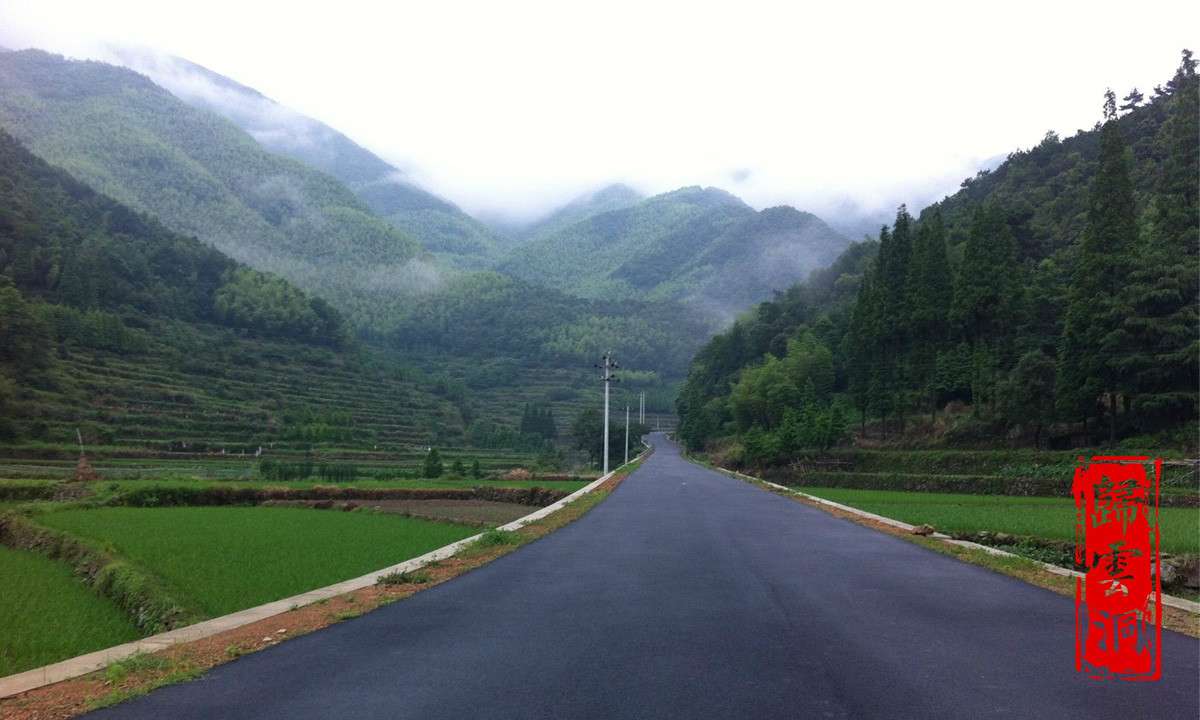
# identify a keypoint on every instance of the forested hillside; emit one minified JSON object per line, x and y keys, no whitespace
{"x":202,"y":175}
{"x":63,"y":243}
{"x":439,"y":225}
{"x":113,"y":324}
{"x":487,"y":316}
{"x":135,"y":142}
{"x":612,"y":197}
{"x":1054,"y":297}
{"x":703,"y":247}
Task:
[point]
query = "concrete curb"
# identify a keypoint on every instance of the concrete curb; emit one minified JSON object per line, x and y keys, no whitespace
{"x":1168,"y":600}
{"x":84,"y":664}
{"x":521,"y":522}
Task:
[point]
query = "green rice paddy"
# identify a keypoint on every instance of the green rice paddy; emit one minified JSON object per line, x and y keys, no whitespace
{"x":232,"y":558}
{"x":1043,"y":517}
{"x":47,"y":614}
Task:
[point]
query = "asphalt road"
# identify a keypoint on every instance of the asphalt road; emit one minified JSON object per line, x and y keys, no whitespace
{"x":688,"y":594}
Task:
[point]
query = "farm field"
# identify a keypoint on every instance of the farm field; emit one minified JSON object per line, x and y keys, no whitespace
{"x":236,"y":467}
{"x":15,"y":492}
{"x":231,"y":558}
{"x":46,"y":614}
{"x":483,"y":513}
{"x":214,"y":389}
{"x":1043,"y":517}
{"x":399,"y":483}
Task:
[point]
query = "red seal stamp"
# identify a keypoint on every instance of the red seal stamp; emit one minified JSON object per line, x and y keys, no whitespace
{"x":1118,"y":602}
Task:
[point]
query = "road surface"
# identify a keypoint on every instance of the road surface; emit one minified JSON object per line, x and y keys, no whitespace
{"x":689,"y":594}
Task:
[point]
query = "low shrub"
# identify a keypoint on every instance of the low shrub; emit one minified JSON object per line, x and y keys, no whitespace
{"x":207,"y":496}
{"x":24,"y":492}
{"x":495,"y":537}
{"x":414,"y":577}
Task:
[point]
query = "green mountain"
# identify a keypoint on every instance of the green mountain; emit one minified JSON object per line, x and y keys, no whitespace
{"x":1055,"y":295}
{"x":612,"y":197}
{"x":1044,"y":188}
{"x":700,"y":246}
{"x":438,"y":224}
{"x":508,"y":340}
{"x":201,"y":175}
{"x":144,"y":338}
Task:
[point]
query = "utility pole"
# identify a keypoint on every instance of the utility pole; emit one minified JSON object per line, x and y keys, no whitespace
{"x":642,"y":407}
{"x":608,"y":366}
{"x":626,"y":434}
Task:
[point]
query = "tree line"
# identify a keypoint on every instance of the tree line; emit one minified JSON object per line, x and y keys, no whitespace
{"x":1096,"y":332}
{"x":62,"y":243}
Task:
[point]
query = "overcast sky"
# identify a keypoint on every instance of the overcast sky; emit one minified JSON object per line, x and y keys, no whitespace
{"x":516,"y":106}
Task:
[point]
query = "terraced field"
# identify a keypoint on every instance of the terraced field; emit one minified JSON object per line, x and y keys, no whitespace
{"x":204,"y":400}
{"x":567,"y":391}
{"x":379,"y":467}
{"x":152,"y":405}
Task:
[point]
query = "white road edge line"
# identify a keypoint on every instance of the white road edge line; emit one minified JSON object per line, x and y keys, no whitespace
{"x":84,"y":664}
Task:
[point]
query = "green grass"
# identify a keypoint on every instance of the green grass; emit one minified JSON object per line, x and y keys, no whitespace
{"x":47,"y":615}
{"x":1051,"y":518}
{"x":232,"y":558}
{"x":496,"y":536}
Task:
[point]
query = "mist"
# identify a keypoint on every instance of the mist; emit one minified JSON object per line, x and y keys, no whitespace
{"x":512,"y":110}
{"x":287,"y":131}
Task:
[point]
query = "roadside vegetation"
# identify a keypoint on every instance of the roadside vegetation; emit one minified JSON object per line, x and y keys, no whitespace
{"x":1040,"y":517}
{"x":1050,"y":302}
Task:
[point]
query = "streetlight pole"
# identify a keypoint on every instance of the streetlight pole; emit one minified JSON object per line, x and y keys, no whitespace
{"x":608,"y":366}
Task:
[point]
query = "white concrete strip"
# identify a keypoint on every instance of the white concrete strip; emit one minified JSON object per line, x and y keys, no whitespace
{"x":521,"y":522}
{"x":84,"y":664}
{"x":1168,"y":600}
{"x":1181,"y":604}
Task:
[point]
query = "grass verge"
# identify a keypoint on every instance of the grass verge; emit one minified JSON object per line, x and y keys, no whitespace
{"x":1043,"y":517}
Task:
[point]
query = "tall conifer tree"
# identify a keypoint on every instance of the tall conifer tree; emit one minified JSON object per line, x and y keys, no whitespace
{"x":862,"y":345}
{"x":1161,"y":325}
{"x":929,"y":291}
{"x":986,"y":291}
{"x":1091,"y":359}
{"x":895,"y":254}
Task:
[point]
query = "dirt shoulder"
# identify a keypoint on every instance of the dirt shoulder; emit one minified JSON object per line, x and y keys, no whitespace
{"x":475,"y":512}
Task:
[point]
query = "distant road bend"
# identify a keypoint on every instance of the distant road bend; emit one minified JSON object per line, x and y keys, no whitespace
{"x":688,"y":594}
